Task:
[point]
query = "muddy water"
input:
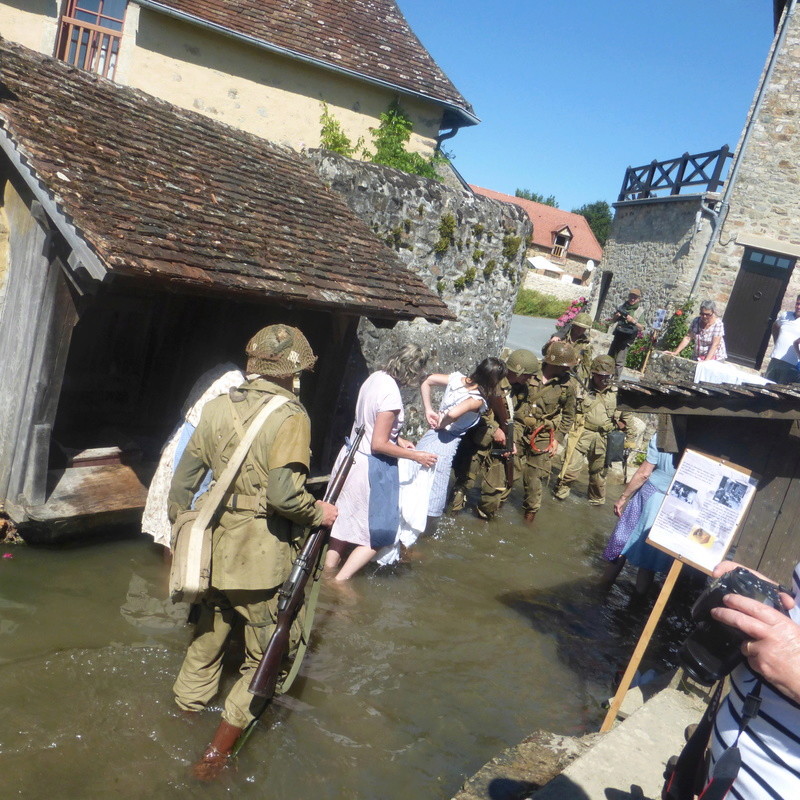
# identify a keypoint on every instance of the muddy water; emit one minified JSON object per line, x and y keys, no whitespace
{"x":414,"y":680}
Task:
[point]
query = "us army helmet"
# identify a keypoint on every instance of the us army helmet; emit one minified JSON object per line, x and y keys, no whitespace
{"x":279,"y":350}
{"x":561,"y":354}
{"x":583,"y":320}
{"x":523,"y":362}
{"x":603,"y":365}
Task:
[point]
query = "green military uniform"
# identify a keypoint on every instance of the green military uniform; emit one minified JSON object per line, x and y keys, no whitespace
{"x":580,"y":343}
{"x":491,"y":467}
{"x":255,"y":536}
{"x":599,"y":418}
{"x":548,"y":409}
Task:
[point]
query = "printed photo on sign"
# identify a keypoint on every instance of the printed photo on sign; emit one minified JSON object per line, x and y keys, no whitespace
{"x":702,"y":510}
{"x":683,"y":492}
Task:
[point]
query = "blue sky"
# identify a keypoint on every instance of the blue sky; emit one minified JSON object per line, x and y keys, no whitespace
{"x":571,"y":93}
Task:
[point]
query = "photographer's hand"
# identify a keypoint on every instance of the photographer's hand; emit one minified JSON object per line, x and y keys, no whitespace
{"x":728,"y":566}
{"x":773,"y":646}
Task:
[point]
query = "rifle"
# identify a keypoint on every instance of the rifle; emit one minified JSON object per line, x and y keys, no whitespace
{"x":292,"y":595}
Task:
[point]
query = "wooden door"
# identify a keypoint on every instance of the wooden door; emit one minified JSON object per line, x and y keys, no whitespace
{"x":754,"y":305}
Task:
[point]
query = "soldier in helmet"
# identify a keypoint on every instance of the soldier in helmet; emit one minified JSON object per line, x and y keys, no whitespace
{"x":257,"y":529}
{"x":577,"y":334}
{"x":486,"y":467}
{"x":543,"y":419}
{"x":600,"y":417}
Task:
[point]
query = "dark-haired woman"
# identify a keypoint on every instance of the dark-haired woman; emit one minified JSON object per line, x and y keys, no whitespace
{"x":465,"y":399}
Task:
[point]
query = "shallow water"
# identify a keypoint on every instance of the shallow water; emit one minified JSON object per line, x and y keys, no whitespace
{"x":414,"y":679}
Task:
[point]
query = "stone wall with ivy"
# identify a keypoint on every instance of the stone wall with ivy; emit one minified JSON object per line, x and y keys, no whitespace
{"x":470,"y":249}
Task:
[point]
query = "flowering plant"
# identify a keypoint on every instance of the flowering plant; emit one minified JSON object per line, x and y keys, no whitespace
{"x":575,"y":308}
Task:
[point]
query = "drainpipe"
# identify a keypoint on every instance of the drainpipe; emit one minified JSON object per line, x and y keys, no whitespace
{"x":721,"y":212}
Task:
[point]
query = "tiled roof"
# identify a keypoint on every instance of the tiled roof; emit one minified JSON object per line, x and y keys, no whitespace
{"x":165,"y":194}
{"x":369,"y":37}
{"x":547,"y":219}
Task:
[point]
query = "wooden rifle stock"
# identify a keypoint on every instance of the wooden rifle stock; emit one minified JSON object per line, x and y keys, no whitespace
{"x":292,"y":594}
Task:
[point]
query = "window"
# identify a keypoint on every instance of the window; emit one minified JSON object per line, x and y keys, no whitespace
{"x":90,"y":34}
{"x":560,"y":245}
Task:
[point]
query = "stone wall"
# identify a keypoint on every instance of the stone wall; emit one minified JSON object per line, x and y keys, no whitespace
{"x":656,"y":245}
{"x":468,"y":248}
{"x":765,"y":196}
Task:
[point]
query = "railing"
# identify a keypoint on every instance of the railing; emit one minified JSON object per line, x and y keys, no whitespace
{"x":702,"y":169}
{"x":559,"y":251}
{"x":88,"y":46}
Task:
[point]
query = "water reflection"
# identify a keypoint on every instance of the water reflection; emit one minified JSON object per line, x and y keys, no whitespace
{"x":413,"y":681}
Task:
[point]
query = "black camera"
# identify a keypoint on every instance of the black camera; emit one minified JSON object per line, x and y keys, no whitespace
{"x":713,"y":648}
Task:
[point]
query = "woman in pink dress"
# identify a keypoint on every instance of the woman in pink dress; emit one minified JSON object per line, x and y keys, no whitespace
{"x":379,"y":409}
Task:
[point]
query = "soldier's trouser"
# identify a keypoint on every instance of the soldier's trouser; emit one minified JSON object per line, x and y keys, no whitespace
{"x":535,"y":471}
{"x":592,"y":447}
{"x":494,"y":487}
{"x":198,"y":680}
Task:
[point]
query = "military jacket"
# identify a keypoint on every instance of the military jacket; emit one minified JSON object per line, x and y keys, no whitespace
{"x":599,"y":410}
{"x":550,"y":404}
{"x":252,"y":549}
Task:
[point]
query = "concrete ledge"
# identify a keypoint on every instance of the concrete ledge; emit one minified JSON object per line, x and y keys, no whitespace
{"x":628,"y":762}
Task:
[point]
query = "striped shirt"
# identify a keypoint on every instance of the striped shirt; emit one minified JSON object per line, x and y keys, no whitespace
{"x":770,"y":744}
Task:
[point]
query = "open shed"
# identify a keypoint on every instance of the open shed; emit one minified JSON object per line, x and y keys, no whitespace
{"x":141,"y":244}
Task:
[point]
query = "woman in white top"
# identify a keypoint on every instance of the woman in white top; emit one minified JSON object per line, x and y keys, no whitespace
{"x":465,"y":399}
{"x":379,"y":409}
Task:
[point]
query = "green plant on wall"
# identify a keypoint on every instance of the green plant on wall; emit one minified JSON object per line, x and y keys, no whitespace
{"x":489,"y":268}
{"x":511,"y":245}
{"x":389,"y":140}
{"x":333,"y":138}
{"x":447,"y":233}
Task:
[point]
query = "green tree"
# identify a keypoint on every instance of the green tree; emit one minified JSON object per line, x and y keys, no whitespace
{"x":598,"y":215}
{"x":527,"y":194}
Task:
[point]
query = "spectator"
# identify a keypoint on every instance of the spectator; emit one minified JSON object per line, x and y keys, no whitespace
{"x":628,"y":327}
{"x":708,"y":334}
{"x":785,"y":354}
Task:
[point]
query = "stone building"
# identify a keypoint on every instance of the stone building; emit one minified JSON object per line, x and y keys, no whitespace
{"x":562,"y":244}
{"x":712,"y":227}
{"x":264,"y":66}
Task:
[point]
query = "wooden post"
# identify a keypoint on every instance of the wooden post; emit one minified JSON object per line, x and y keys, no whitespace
{"x":641,"y":646}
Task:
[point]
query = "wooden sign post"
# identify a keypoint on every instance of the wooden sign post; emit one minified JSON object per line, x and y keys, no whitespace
{"x":701,"y":511}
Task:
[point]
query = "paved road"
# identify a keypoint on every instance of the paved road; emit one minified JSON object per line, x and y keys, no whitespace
{"x":529,"y":332}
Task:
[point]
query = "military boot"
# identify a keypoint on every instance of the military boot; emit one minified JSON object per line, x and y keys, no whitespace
{"x":561,"y":491}
{"x":218,"y":753}
{"x":459,"y":501}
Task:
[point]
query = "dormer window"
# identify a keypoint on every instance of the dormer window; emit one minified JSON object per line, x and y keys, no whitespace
{"x":90,"y":34}
{"x":561,"y":240}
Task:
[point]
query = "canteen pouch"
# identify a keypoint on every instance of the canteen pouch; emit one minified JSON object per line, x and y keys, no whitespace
{"x":615,"y":447}
{"x":190,"y":573}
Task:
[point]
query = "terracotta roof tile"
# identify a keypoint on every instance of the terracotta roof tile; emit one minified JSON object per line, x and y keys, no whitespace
{"x":547,"y":219}
{"x":370,"y":37}
{"x":162,"y":193}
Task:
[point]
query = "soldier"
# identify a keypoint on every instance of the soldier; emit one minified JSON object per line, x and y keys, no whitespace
{"x":577,"y":334}
{"x":600,"y":417}
{"x":487,"y":467}
{"x":257,"y":530}
{"x":543,"y":419}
